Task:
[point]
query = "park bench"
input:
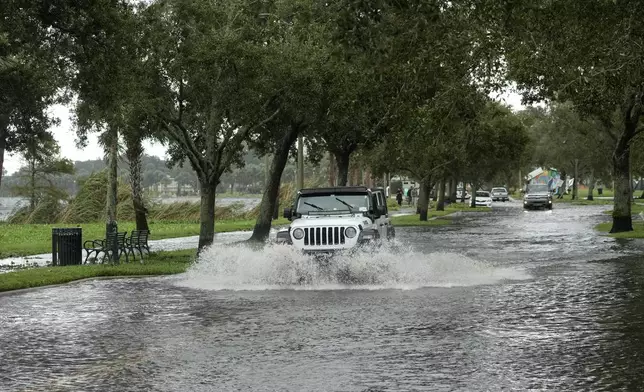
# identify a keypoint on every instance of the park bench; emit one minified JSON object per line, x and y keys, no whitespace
{"x":106,"y":246}
{"x":138,"y":241}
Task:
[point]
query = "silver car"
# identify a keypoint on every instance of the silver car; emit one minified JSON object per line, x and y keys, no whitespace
{"x":499,"y":194}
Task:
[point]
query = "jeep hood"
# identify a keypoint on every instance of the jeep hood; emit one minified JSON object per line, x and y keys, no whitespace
{"x":331,"y":220}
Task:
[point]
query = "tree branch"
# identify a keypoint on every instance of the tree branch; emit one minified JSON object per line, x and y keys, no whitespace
{"x":189,"y":146}
{"x":237,"y":139}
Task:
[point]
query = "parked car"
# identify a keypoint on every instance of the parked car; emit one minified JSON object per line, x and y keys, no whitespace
{"x":500,"y":194}
{"x":483,"y":199}
{"x":459,"y":194}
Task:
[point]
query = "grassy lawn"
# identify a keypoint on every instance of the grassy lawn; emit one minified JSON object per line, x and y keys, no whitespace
{"x":465,"y":207}
{"x":159,"y":263}
{"x":442,"y":217}
{"x":636,"y":209}
{"x":30,"y":239}
{"x":582,"y":201}
{"x":638,"y":230}
{"x":412,"y":220}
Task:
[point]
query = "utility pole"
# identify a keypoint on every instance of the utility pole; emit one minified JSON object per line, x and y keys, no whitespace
{"x":300,"y":163}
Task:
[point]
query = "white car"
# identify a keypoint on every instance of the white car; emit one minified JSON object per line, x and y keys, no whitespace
{"x":326,"y":220}
{"x":483,"y":199}
{"x":459,"y":194}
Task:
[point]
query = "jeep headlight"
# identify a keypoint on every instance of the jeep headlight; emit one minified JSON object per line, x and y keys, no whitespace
{"x":298,"y":234}
{"x":350,"y":232}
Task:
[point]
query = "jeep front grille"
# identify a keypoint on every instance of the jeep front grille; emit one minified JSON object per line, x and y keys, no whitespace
{"x":324,"y":236}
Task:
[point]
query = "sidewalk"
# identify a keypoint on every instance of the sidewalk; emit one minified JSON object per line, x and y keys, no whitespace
{"x":167,"y":244}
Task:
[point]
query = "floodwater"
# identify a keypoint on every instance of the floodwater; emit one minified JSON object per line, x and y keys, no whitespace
{"x":8,"y":205}
{"x":507,"y":300}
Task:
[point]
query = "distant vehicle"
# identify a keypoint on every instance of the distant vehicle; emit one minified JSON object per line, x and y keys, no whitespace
{"x":483,"y":199}
{"x":500,"y":194}
{"x":459,"y":194}
{"x":326,"y":220}
{"x":537,"y":196}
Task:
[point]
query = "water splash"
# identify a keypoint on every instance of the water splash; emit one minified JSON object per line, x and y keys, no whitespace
{"x":394,"y":266}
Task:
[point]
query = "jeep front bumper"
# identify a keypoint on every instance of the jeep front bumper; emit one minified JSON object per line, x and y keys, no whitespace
{"x":364,"y":237}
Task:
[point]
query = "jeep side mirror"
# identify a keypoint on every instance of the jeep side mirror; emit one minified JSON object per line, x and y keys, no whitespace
{"x":288,"y":213}
{"x":381,"y":210}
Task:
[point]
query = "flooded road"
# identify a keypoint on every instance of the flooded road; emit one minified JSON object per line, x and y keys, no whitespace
{"x":507,"y":300}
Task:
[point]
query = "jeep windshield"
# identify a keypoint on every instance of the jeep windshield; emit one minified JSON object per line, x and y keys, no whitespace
{"x":538,"y":188}
{"x":332,"y":203}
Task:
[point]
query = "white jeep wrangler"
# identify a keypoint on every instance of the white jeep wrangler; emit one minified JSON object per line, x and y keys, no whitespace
{"x":325,"y":220}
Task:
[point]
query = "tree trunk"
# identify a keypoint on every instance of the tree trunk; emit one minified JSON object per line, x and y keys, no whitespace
{"x":423,"y":199}
{"x":575,"y":181}
{"x":32,"y":180}
{"x":564,"y":186}
{"x":356,"y":177}
{"x":134,"y":153}
{"x":463,"y":192}
{"x":342,"y":160}
{"x":207,"y":214}
{"x":271,"y":193}
{"x":452,"y":190}
{"x":622,"y":220}
{"x":473,"y":197}
{"x":440,"y":201}
{"x":112,"y":175}
{"x":332,"y":170}
{"x":591,"y":185}
{"x":300,"y":163}
{"x":3,"y":146}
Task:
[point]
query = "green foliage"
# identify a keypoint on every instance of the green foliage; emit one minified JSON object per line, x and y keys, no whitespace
{"x":496,"y":142}
{"x":47,"y":210}
{"x":562,"y":136}
{"x":36,"y":181}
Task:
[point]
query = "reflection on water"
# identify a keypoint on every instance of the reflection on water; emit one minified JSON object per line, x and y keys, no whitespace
{"x":425,"y":318}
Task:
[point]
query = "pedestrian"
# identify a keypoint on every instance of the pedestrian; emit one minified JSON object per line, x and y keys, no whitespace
{"x":410,"y":195}
{"x":399,"y":197}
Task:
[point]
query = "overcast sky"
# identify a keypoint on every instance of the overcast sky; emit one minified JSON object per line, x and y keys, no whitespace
{"x":66,"y":137}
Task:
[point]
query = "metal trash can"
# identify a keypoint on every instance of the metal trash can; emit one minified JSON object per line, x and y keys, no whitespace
{"x":66,"y":246}
{"x":600,"y":191}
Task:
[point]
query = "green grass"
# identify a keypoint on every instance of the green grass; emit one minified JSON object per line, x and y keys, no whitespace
{"x":441,"y":217}
{"x":392,"y":205}
{"x":638,"y":230}
{"x":160,"y":263}
{"x":466,"y":207}
{"x":413,"y":220}
{"x":636,"y":209}
{"x":30,"y":239}
{"x":582,"y":200}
